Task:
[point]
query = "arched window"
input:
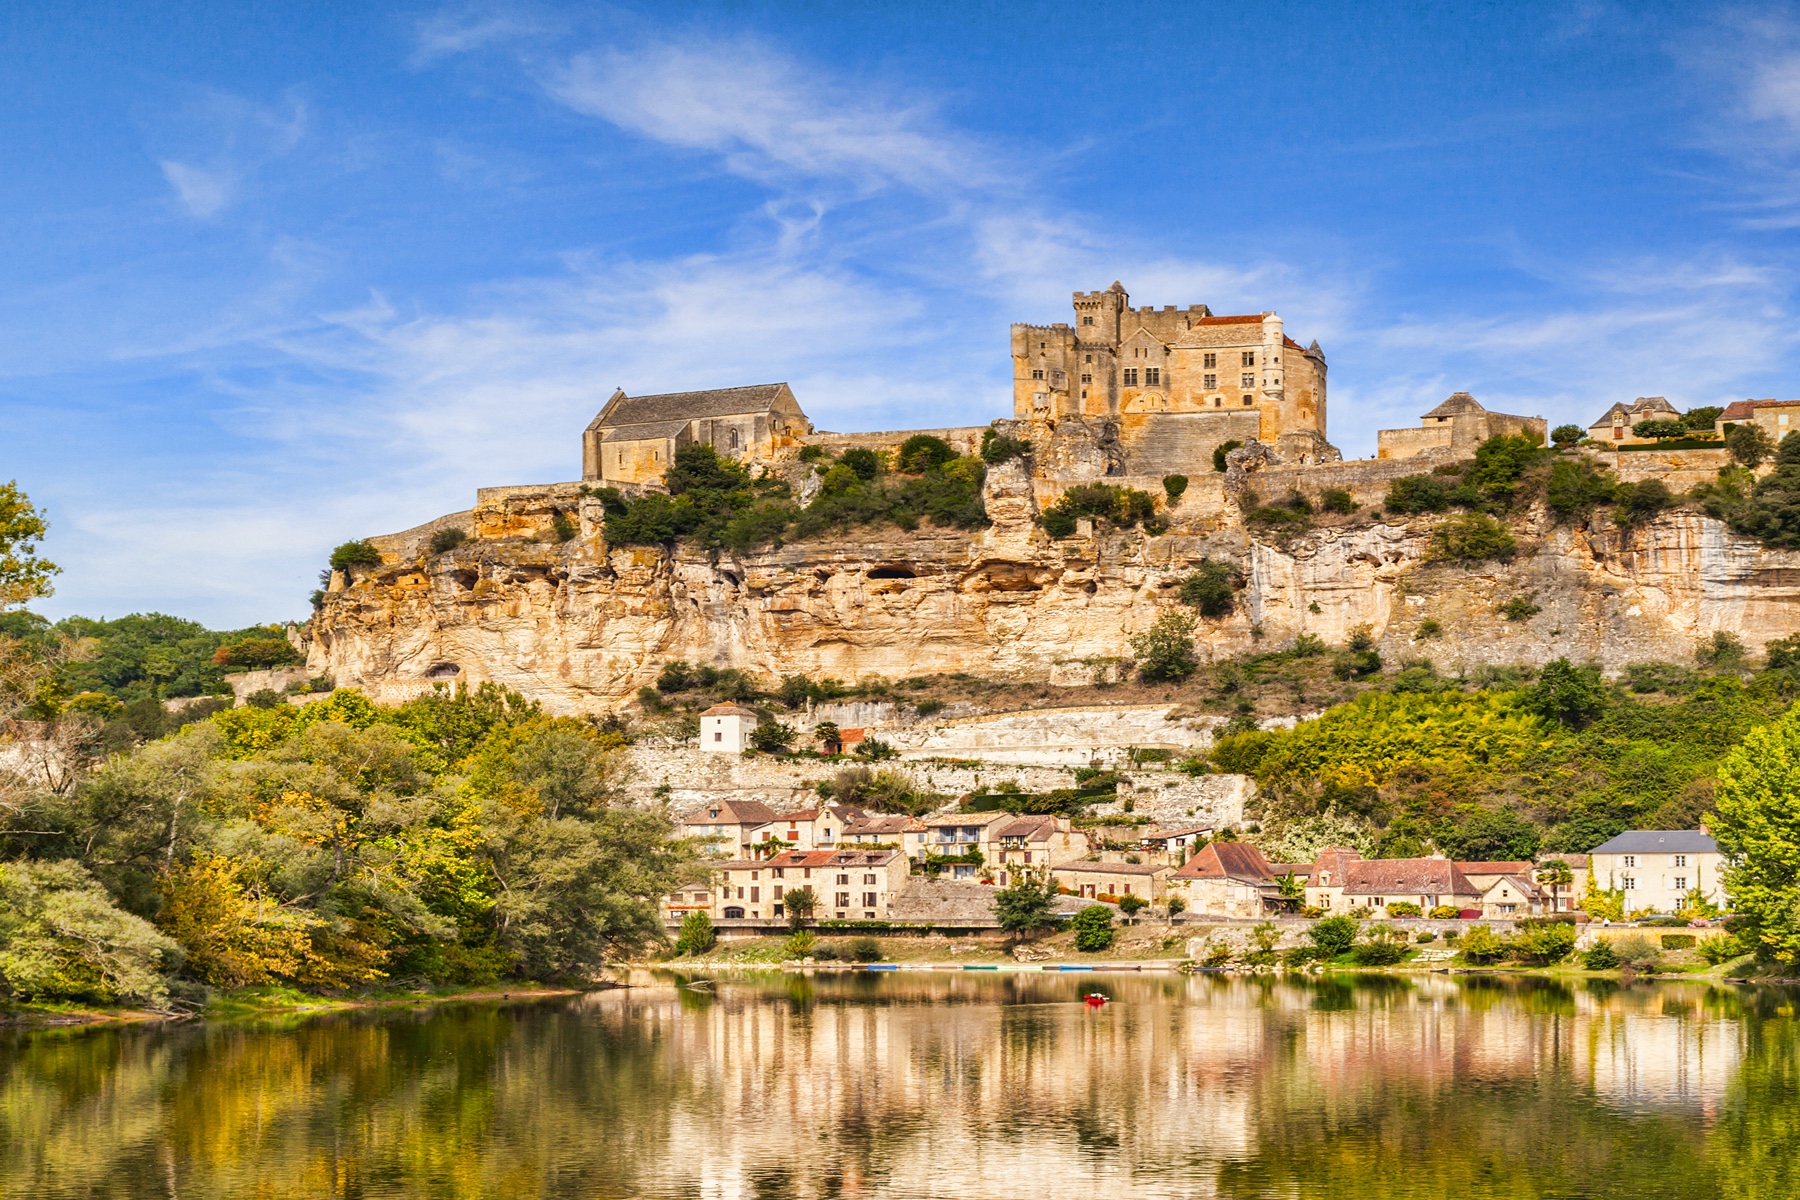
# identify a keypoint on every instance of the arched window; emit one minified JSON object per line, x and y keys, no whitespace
{"x":734,"y":913}
{"x":733,"y":439}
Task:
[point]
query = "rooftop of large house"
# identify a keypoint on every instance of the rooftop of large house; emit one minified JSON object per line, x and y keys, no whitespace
{"x":686,"y":406}
{"x":1032,"y":829}
{"x":733,"y":812}
{"x":728,"y":710}
{"x":1659,"y":841}
{"x":1227,"y":860}
{"x":1743,"y":410}
{"x":875,"y":825}
{"x":1110,"y":868}
{"x":977,"y":818}
{"x":816,"y":858}
{"x":1405,"y":876}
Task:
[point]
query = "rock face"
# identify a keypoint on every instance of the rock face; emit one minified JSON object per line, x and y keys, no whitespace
{"x":579,"y":625}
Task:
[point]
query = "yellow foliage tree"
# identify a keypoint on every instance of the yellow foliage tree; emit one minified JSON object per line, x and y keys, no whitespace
{"x":233,"y":936}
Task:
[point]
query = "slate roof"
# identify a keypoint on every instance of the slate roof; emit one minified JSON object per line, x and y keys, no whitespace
{"x":1619,"y":407}
{"x":686,"y":406}
{"x":1035,"y":829}
{"x":1658,"y":841}
{"x":652,"y":431}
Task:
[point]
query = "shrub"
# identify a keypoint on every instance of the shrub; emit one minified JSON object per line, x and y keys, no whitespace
{"x":996,"y":448}
{"x":1659,"y":429}
{"x":1379,"y":952}
{"x":875,"y":750}
{"x":1307,"y":645}
{"x":355,"y":554}
{"x":1333,"y":936}
{"x":1174,"y":486}
{"x":1404,"y":908}
{"x":1130,"y":906}
{"x":1678,"y":941}
{"x":1576,"y":486}
{"x":801,"y":942}
{"x":864,"y":950}
{"x":1718,"y":950}
{"x":563,"y":527}
{"x":1783,"y":652}
{"x":1165,"y":651}
{"x":1518,"y":608}
{"x":1057,"y":523}
{"x":1093,"y":928}
{"x":812,"y":453}
{"x":1637,"y":952}
{"x":1567,"y":435}
{"x":1545,"y":944}
{"x":1425,"y":937}
{"x":1419,"y":494}
{"x":1482,"y":945}
{"x":1356,"y":664}
{"x":825,"y":952}
{"x":921,"y":452}
{"x":927,"y":708}
{"x":1445,"y":912}
{"x":864,"y":463}
{"x":697,"y":934}
{"x":265,"y":698}
{"x":1470,"y":538}
{"x":446,"y":540}
{"x":1221,"y":450}
{"x":1600,"y":958}
{"x":1724,"y":649}
{"x":1638,"y":502}
{"x":61,"y":938}
{"x":1567,"y":693}
{"x":1337,"y":500}
{"x":1119,"y":506}
{"x":1430,"y":627}
{"x":1211,"y":589}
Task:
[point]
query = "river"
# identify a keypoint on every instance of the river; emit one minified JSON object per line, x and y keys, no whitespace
{"x":934,"y":1085}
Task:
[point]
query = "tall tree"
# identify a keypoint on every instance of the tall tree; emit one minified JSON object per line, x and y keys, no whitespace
{"x":1757,"y":825}
{"x":24,"y":575}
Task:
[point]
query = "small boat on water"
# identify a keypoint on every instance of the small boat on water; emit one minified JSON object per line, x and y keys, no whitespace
{"x":1095,"y":999}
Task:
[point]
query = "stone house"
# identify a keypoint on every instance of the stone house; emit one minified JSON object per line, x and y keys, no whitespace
{"x":1343,"y":881}
{"x":1456,"y":426}
{"x":819,"y":828}
{"x":1177,"y":845}
{"x":732,"y":826}
{"x":1484,"y":874}
{"x":1777,"y":417}
{"x":1565,"y":897}
{"x":1226,"y":879}
{"x":1112,"y":881}
{"x":1512,"y":896}
{"x":634,"y":438}
{"x":848,"y":885}
{"x":1033,"y":843}
{"x":689,"y":897}
{"x":1173,"y":384}
{"x":907,"y":834}
{"x":1657,"y":868}
{"x":959,"y":833}
{"x":726,"y":728}
{"x":1325,"y":878}
{"x":1616,"y":423}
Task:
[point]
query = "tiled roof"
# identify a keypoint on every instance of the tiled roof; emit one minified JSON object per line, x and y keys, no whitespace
{"x":884,"y":825}
{"x":1738,"y":410}
{"x":1227,"y":860}
{"x":1037,"y":829}
{"x":734,"y":812}
{"x":1243,"y":320}
{"x":728,"y":710}
{"x":1405,"y":876}
{"x":1521,"y":884}
{"x":685,"y":406}
{"x":1619,"y":408}
{"x":1658,"y":841}
{"x":819,"y":858}
{"x":975,"y":818}
{"x":1509,"y":867}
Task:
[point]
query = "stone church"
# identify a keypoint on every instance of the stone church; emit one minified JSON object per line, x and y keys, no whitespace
{"x":634,"y":438}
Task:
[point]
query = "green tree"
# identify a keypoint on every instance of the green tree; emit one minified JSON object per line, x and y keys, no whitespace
{"x":24,"y":576}
{"x":1165,"y":651}
{"x":1093,"y":927}
{"x":1130,"y":906}
{"x":800,"y":903}
{"x":359,"y":553}
{"x":1638,"y":502}
{"x":1567,"y":693}
{"x":826,"y":731}
{"x":62,"y":938}
{"x":1481,"y":945}
{"x":1472,"y":537}
{"x":255,"y":654}
{"x":1702,"y":419}
{"x":1027,"y":905}
{"x":1757,"y":825}
{"x":1333,"y":935}
{"x":1556,"y":875}
{"x":1567,"y":435}
{"x":1576,"y":486}
{"x":1174,"y":486}
{"x":1220,"y":453}
{"x":1750,"y":444}
{"x":1659,"y":429}
{"x":922,"y":451}
{"x":697,"y":934}
{"x":772,"y":737}
{"x":1495,"y":836}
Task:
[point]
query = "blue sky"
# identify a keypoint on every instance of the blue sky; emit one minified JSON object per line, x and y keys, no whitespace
{"x":278,"y":276}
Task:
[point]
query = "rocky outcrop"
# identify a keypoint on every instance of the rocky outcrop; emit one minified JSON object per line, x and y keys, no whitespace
{"x":580,"y":625}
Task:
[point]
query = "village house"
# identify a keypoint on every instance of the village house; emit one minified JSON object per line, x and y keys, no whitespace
{"x":1656,"y":869}
{"x":1778,"y":418}
{"x":1032,"y":843}
{"x":819,"y":828}
{"x":847,"y":885}
{"x":1377,"y":883}
{"x":731,"y":826}
{"x":905,"y":834}
{"x":1325,"y":878}
{"x":1176,"y":845}
{"x":1512,"y":896}
{"x":726,"y":728}
{"x":1112,"y":881}
{"x":959,"y":833}
{"x":1563,"y":897}
{"x":689,"y":897}
{"x":1616,"y":423}
{"x":1226,"y":879}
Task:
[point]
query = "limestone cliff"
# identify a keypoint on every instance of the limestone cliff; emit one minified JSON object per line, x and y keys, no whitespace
{"x":580,"y":625}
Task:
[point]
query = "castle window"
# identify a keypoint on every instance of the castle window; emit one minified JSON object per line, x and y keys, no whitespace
{"x":1130,"y":376}
{"x":1247,"y":402}
{"x":1248,"y":381}
{"x":1037,"y":374}
{"x":1152,"y":376}
{"x":1249,"y":358}
{"x":1209,"y":382}
{"x":1087,"y":379}
{"x":1218,"y":401}
{"x":1087,"y":320}
{"x":1090,"y":358}
{"x":1211,"y":360}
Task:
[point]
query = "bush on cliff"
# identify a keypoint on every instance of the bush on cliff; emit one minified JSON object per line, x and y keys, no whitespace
{"x":1470,"y":538}
{"x":996,"y":448}
{"x":1120,"y":507}
{"x":355,"y":554}
{"x":1165,"y":651}
{"x":1212,"y":588}
{"x":1771,"y":514}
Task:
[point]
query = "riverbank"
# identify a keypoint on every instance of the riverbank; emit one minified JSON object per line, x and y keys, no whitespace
{"x":250,"y":1003}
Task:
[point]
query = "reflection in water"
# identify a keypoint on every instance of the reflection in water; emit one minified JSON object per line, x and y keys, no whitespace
{"x":935,"y":1085}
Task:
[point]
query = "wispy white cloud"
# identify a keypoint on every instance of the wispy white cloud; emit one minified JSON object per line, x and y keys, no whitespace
{"x":225,"y":139}
{"x":201,"y":192}
{"x":474,"y":27}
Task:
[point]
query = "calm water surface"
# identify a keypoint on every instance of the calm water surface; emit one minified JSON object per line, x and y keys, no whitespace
{"x":906,"y":1085}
